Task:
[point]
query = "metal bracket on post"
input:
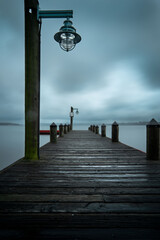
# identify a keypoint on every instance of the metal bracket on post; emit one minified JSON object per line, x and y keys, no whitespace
{"x":54,"y":13}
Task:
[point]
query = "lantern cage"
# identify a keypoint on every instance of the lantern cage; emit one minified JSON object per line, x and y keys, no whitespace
{"x":67,"y":36}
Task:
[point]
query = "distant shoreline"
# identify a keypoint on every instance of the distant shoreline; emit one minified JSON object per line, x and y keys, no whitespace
{"x":119,"y":123}
{"x":134,"y":123}
{"x":9,"y":124}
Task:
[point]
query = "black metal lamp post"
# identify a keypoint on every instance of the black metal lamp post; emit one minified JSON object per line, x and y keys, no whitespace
{"x":72,"y":115}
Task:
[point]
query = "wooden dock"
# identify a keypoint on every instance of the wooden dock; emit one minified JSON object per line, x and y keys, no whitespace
{"x":83,"y":187}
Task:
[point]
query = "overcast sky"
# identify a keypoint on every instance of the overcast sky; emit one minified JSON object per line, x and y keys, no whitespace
{"x":112,"y":74}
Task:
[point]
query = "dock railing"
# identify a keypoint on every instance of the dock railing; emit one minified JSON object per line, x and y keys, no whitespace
{"x":153,"y":137}
{"x":152,"y":130}
{"x":63,"y":129}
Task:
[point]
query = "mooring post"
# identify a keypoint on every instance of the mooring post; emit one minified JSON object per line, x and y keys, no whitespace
{"x":97,"y":129}
{"x":32,"y":80}
{"x":53,"y":133}
{"x":115,"y":132}
{"x":93,"y":128}
{"x":153,"y":140}
{"x":65,"y":129}
{"x":61,"y":132}
{"x":68,"y":127}
{"x":103,"y":130}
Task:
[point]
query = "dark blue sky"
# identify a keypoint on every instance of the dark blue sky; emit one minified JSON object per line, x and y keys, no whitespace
{"x":112,"y":74}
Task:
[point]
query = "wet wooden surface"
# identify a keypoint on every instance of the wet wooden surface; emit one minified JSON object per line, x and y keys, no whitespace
{"x":83,"y":187}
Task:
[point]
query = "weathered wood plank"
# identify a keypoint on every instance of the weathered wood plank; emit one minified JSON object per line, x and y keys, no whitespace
{"x":82,"y":190}
{"x":74,"y":220}
{"x":83,"y":181}
{"x":85,"y":176}
{"x":81,"y":198}
{"x":83,"y":233}
{"x":131,"y":208}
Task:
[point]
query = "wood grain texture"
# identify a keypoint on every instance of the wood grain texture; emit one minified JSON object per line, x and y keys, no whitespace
{"x":83,"y":187}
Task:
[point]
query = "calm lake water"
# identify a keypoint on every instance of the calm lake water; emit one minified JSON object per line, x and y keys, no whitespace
{"x":12,"y":140}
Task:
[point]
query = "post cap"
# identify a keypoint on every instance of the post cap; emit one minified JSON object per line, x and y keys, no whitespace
{"x":115,"y":123}
{"x":153,"y":123}
{"x":53,"y":125}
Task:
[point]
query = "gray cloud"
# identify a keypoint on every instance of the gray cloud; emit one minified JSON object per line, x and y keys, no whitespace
{"x":112,"y":74}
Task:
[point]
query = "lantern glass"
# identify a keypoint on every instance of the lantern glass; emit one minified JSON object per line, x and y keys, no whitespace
{"x":67,"y":41}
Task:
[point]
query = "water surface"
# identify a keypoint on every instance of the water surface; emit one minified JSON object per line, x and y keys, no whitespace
{"x":12,"y":139}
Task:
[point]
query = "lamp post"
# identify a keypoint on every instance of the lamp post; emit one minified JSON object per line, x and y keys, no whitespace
{"x":72,"y":115}
{"x":67,"y":38}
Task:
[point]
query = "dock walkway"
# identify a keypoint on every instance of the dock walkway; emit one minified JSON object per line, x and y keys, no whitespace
{"x":83,"y":187}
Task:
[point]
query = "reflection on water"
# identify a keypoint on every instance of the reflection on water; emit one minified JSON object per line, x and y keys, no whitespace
{"x":132,"y":135}
{"x":12,"y":140}
{"x":11,"y":144}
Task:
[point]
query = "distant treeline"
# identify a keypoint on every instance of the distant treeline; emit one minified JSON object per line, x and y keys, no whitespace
{"x":7,"y":124}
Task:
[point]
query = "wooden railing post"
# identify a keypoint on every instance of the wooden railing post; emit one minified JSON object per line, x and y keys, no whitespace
{"x":93,"y":129}
{"x":103,"y":130}
{"x":65,"y":129}
{"x":61,"y":130}
{"x":53,"y":133}
{"x":97,"y":129}
{"x":68,"y":127}
{"x":115,"y":132}
{"x":153,"y":140}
